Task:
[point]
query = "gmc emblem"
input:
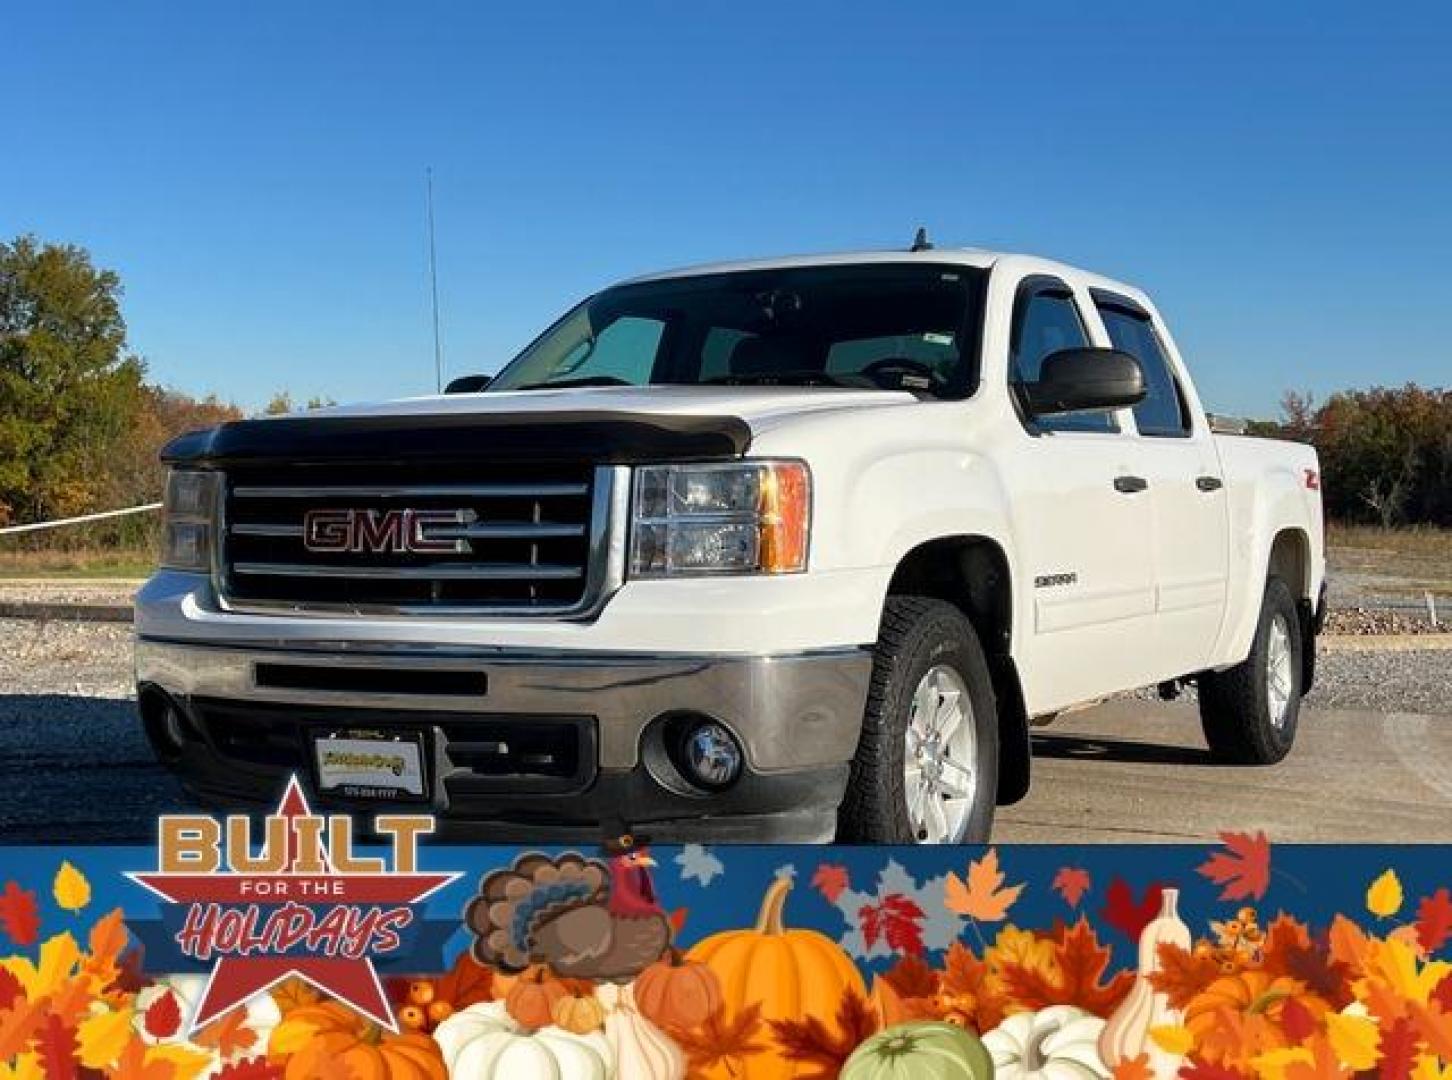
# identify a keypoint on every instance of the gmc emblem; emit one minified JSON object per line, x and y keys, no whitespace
{"x":395,"y":532}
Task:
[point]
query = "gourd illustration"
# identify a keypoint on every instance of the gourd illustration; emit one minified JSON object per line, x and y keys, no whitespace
{"x":483,"y":1042}
{"x":1127,"y":1035}
{"x":675,"y":993}
{"x":791,"y":974}
{"x":923,"y":1050}
{"x":642,"y":1051}
{"x":1057,"y":1043}
{"x":579,"y":1011}
{"x":332,"y":1034}
{"x":531,"y":1000}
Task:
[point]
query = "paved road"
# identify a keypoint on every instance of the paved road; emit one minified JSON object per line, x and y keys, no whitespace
{"x":1138,"y":771}
{"x":75,"y":769}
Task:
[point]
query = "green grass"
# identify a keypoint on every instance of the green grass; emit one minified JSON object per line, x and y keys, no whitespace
{"x":100,"y":565}
{"x":1413,"y":540}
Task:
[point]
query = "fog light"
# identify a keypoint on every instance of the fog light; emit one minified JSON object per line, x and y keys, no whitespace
{"x":710,"y":755}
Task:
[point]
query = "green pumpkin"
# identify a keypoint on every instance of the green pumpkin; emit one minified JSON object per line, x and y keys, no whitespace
{"x":920,"y":1050}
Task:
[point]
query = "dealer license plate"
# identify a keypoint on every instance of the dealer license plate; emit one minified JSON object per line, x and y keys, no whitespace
{"x":364,"y":765}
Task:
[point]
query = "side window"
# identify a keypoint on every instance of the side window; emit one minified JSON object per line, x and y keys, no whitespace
{"x":1163,"y":410}
{"x":1046,"y":320}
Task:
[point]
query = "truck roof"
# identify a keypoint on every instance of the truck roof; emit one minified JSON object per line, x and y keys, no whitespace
{"x":978,"y":257}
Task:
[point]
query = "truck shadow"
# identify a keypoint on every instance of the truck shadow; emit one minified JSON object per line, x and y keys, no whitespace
{"x":1097,"y":748}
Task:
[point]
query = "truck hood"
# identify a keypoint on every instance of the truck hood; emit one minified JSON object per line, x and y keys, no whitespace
{"x":620,"y":425}
{"x":758,"y":406}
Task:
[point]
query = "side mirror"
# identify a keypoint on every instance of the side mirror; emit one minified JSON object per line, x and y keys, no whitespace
{"x":468,"y":384}
{"x":1085,"y":380}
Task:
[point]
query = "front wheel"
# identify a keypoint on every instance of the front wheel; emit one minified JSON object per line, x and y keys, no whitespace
{"x":1250,"y":712}
{"x":926,"y":769}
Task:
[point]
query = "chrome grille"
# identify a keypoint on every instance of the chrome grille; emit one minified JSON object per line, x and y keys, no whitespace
{"x":521,"y":540}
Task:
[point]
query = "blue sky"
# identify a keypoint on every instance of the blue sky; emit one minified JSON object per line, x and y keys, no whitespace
{"x":1278,"y":176}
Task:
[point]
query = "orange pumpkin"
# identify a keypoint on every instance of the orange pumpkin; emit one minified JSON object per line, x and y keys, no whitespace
{"x":792,"y":974}
{"x":1248,"y":993}
{"x":312,"y":1036}
{"x":531,"y":1000}
{"x":673,"y":993}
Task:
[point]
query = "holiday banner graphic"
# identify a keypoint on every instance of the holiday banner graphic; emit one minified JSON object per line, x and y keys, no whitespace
{"x":294,"y":951}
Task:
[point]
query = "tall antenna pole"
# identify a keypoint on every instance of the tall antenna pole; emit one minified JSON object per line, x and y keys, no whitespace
{"x":434,"y":286}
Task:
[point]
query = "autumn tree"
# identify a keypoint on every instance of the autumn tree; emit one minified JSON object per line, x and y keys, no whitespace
{"x":69,"y":387}
{"x":1386,"y":453}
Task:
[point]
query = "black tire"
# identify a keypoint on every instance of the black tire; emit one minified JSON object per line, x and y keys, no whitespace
{"x":1235,"y":710}
{"x":917,"y":634}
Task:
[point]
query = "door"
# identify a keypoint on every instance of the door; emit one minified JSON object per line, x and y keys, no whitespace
{"x":1081,"y":521}
{"x":1187,"y":494}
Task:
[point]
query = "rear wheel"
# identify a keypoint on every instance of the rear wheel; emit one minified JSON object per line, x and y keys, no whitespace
{"x":926,"y":770}
{"x":1250,"y":712}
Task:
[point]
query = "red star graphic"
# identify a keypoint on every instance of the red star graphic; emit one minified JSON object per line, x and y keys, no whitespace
{"x":235,"y":979}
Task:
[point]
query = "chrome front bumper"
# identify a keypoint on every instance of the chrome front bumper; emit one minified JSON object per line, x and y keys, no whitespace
{"x":797,"y":716}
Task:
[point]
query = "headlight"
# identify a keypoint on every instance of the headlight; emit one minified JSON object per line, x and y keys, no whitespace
{"x":191,"y":500}
{"x":739,"y":518}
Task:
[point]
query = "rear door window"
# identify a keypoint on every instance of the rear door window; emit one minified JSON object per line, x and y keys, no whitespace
{"x":1163,"y":412}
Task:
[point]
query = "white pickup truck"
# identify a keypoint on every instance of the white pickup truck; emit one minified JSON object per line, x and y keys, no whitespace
{"x":784,"y":550}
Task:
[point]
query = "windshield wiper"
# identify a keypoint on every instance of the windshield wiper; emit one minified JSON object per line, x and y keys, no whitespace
{"x":790,"y":378}
{"x":586,"y":380}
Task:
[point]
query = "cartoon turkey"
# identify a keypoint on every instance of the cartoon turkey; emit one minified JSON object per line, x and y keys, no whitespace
{"x":584,"y":918}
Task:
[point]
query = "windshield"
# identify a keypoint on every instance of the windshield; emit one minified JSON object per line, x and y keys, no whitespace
{"x":892,"y":326}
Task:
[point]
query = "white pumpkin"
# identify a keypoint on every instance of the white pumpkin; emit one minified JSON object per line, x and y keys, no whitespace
{"x":642,"y":1050}
{"x":483,"y":1042}
{"x":1058,"y":1043}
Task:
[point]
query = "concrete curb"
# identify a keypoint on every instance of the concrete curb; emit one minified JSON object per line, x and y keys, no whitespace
{"x":1434,"y":642}
{"x":60,"y":611}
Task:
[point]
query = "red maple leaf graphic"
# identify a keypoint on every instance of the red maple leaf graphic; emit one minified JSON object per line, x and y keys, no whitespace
{"x":1434,"y":920}
{"x":1072,"y":883}
{"x":831,"y":881}
{"x":1442,"y":995}
{"x":1400,"y":1047}
{"x":55,"y":1045}
{"x":19,"y":914}
{"x":1243,"y":867}
{"x":897,"y":920}
{"x":1124,"y":914}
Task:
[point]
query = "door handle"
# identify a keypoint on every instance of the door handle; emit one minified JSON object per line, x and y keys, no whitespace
{"x":1128,"y":485}
{"x":1209,"y":483}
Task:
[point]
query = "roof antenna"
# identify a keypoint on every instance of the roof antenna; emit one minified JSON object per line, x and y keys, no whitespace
{"x":921,"y":241}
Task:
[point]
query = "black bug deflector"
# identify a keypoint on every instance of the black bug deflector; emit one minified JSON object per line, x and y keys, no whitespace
{"x":603,"y":438}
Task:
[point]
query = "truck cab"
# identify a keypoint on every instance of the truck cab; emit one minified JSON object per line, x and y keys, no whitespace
{"x":793,"y":550}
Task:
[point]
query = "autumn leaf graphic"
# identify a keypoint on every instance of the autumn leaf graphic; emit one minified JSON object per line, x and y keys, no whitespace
{"x":897,"y":920}
{"x":1072,"y":883}
{"x":723,"y":1042}
{"x":1077,"y":977}
{"x":983,"y":895}
{"x":71,"y":889}
{"x":19,"y":914}
{"x":1384,"y":896}
{"x":831,"y":881}
{"x":1127,"y":915}
{"x":1434,"y":921}
{"x":1243,"y":868}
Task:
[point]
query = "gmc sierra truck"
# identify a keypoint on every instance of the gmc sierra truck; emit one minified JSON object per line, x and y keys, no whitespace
{"x":787,"y":550}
